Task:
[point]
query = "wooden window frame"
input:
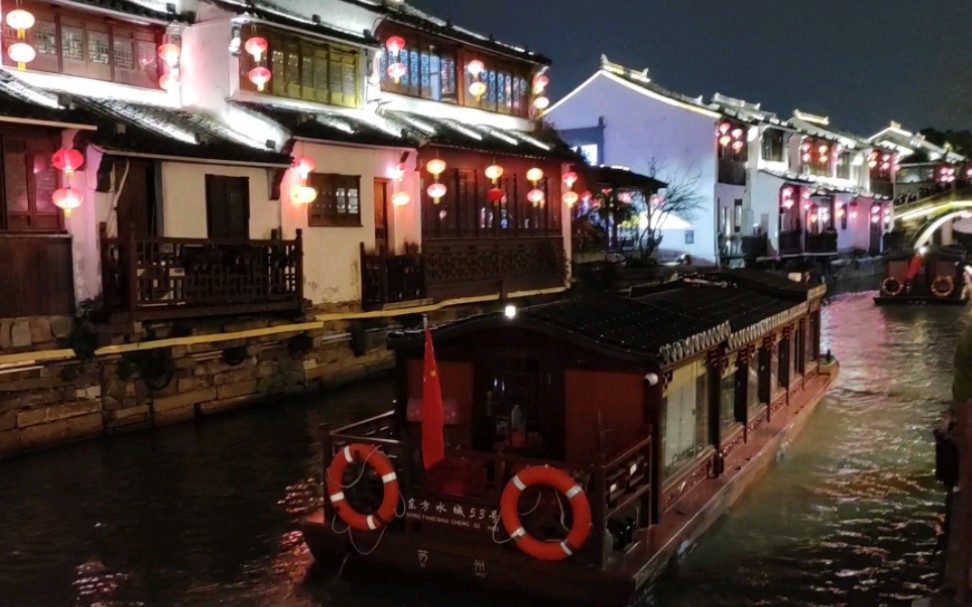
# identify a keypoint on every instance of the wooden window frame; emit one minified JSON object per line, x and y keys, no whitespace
{"x":117,"y":31}
{"x":433,"y":48}
{"x":513,"y":70}
{"x":215,"y":181}
{"x":325,"y":212}
{"x":33,"y":219}
{"x":310,"y":55}
{"x":767,"y":148}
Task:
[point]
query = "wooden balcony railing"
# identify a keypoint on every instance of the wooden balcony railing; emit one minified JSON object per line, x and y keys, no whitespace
{"x":883,"y":188}
{"x":825,"y":242}
{"x":754,"y":246}
{"x":732,"y":172}
{"x":612,"y":486}
{"x":466,"y":267}
{"x":791,"y":243}
{"x":389,"y":279}
{"x":164,"y":278}
{"x":37,"y":277}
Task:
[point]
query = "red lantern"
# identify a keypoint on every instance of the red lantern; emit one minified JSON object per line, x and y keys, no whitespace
{"x":22,"y":53}
{"x":496,"y":194}
{"x":68,"y":160}
{"x":570,"y":178}
{"x":724,"y":128}
{"x":169,"y":53}
{"x":396,"y":71}
{"x":475,"y":67}
{"x":436,"y":191}
{"x":304,"y":166}
{"x":256,"y":46}
{"x":259,"y":76}
{"x":168,"y":82}
{"x":725,"y":140}
{"x":395,"y":44}
{"x":540,"y":83}
{"x":570,"y":198}
{"x":68,"y":199}
{"x":535,"y":196}
{"x":737,"y":146}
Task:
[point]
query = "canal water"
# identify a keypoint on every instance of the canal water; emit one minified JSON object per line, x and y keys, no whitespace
{"x":203,"y":514}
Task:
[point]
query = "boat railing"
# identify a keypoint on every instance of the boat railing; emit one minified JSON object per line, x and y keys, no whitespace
{"x":614,"y":487}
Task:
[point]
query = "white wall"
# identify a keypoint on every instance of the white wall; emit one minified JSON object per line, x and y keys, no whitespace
{"x":332,"y":271}
{"x":640,"y":128}
{"x":765,"y":198}
{"x":207,"y":69}
{"x":184,"y":199}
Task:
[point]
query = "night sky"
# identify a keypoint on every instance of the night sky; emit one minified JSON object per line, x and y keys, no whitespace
{"x":861,"y":62}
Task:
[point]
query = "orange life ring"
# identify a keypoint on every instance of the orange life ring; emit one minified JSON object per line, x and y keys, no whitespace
{"x":949,"y":283}
{"x":562,"y":482}
{"x":369,"y":455}
{"x":892,"y":286}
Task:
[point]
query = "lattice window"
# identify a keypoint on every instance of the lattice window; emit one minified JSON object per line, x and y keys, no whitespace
{"x":338,"y":200}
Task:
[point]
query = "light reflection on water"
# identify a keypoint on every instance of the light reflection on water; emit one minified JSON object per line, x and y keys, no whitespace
{"x":203,"y":514}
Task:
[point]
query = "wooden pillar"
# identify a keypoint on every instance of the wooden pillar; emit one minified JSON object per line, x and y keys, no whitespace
{"x":299,"y":278}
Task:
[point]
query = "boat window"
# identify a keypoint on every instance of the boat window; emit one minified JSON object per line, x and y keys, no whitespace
{"x":685,"y":425}
{"x":727,"y":400}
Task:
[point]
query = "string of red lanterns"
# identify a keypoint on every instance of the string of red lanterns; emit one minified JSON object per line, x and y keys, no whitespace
{"x":67,"y":198}
{"x":169,"y":53}
{"x":21,"y":52}
{"x":303,"y":193}
{"x":569,"y":197}
{"x":259,"y":75}
{"x":436,"y":190}
{"x":396,"y":69}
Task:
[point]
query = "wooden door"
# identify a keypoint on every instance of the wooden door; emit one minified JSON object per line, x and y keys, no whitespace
{"x":228,"y":207}
{"x":138,"y":203}
{"x":381,"y":214}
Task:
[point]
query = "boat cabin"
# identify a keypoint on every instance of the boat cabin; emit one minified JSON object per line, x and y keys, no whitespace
{"x":927,"y":276}
{"x":647,"y":403}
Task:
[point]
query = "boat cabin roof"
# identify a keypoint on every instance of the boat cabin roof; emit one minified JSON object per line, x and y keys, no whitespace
{"x":673,"y":322}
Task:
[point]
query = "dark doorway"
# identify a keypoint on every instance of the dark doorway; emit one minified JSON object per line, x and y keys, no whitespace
{"x":228,"y":207}
{"x":783,"y":366}
{"x":381,"y":214}
{"x":139,"y":203}
{"x":765,"y":357}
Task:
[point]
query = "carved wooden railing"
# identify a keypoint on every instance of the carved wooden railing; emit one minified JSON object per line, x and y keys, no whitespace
{"x":38,"y":275}
{"x":613,"y":486}
{"x":732,"y":172}
{"x":162,"y":278}
{"x":791,"y":243}
{"x":464,"y":267}
{"x":387,"y":279}
{"x":825,"y":242}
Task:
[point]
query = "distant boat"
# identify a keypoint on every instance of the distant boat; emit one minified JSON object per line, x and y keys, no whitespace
{"x":930,"y":276}
{"x":587,"y":441}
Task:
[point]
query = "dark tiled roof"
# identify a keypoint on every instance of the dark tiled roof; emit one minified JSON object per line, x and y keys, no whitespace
{"x":672,"y":322}
{"x":331,"y":126}
{"x":451,"y":133}
{"x":413,"y":17}
{"x":20,"y":100}
{"x":618,"y":177}
{"x":280,"y":16}
{"x":134,"y":8}
{"x":159,"y":131}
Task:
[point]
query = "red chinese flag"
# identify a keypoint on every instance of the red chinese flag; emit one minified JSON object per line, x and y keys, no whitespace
{"x":914,"y":266}
{"x":433,"y":443}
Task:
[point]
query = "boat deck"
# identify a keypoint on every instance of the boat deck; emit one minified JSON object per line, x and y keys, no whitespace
{"x":437,"y":551}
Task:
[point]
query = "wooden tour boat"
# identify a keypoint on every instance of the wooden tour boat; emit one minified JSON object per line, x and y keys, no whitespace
{"x":587,"y":441}
{"x":930,"y":276}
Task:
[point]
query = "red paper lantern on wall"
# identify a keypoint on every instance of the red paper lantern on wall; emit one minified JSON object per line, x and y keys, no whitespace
{"x":257,"y":47}
{"x":436,"y":191}
{"x":495,"y":194}
{"x":169,"y":53}
{"x":395,"y":44}
{"x":304,"y":166}
{"x":68,"y":199}
{"x":570,"y":178}
{"x":68,"y":160}
{"x":259,"y":76}
{"x":396,"y":71}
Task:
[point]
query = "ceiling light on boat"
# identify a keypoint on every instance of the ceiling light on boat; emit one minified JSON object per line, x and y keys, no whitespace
{"x":510,"y":311}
